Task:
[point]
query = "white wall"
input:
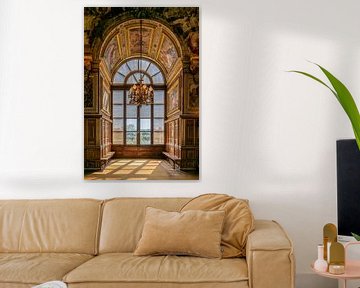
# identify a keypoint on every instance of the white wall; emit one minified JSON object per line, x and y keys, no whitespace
{"x":266,"y":135}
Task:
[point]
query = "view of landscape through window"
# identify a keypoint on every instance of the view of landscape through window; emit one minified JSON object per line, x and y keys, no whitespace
{"x":132,"y":124}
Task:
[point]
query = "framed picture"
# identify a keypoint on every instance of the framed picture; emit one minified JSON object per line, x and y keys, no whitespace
{"x":141,"y":93}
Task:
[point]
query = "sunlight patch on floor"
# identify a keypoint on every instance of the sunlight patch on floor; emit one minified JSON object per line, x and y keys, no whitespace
{"x":122,"y":172}
{"x":136,"y":169}
{"x":144,"y":172}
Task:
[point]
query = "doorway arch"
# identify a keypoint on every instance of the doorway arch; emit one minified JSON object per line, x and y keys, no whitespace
{"x":139,"y":131}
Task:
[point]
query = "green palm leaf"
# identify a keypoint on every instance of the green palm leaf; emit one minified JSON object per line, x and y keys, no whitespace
{"x":357,"y":237}
{"x":344,"y":97}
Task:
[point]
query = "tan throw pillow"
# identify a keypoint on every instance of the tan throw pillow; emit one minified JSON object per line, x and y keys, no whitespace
{"x":196,"y":233}
{"x":239,"y":221}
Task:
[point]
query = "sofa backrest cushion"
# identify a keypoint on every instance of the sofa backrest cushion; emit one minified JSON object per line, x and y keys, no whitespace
{"x":123,"y":220}
{"x":66,"y":226}
{"x":239,"y":220}
{"x":194,"y":233}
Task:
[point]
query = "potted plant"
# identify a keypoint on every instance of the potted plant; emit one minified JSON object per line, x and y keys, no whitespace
{"x":357,"y":237}
{"x":347,"y":102}
{"x":344,"y":97}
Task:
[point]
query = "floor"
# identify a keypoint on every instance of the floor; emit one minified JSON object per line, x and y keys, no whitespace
{"x":140,"y":169}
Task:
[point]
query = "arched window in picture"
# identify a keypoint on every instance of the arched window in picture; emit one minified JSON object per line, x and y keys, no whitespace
{"x":138,"y":124}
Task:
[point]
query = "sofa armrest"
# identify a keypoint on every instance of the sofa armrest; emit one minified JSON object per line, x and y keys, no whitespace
{"x":269,"y":256}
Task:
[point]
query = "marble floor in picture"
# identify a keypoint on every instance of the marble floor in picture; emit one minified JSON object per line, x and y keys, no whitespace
{"x":140,"y":169}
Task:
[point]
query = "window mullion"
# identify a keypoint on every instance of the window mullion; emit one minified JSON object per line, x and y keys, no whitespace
{"x":147,"y":68}
{"x":133,"y":75}
{"x":125,"y":118}
{"x":152,"y":124}
{"x":138,"y":126}
{"x":127,"y":64}
{"x":155,"y":74}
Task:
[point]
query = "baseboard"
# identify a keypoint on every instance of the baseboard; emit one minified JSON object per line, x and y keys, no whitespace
{"x":310,"y":280}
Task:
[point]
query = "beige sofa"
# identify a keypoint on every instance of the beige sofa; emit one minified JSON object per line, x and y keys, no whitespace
{"x":89,"y":243}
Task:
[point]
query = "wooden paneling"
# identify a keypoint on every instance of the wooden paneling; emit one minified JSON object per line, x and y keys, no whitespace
{"x":122,"y":151}
{"x":182,"y":121}
{"x":182,"y":141}
{"x":106,"y":138}
{"x":172,"y":137}
{"x":90,"y":132}
{"x":190,"y":144}
{"x":191,"y":135}
{"x":97,"y":132}
{"x":189,"y":158}
{"x":92,"y":153}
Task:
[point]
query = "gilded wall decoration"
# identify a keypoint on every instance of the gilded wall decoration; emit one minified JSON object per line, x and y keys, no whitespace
{"x":122,"y":41}
{"x":171,"y":137}
{"x":88,"y":90}
{"x":182,"y":20}
{"x":155,"y":41}
{"x":111,"y":54}
{"x":193,"y":103}
{"x":104,"y":88}
{"x":134,"y":40}
{"x":173,"y":97}
{"x":168,"y":53}
{"x":106,"y":101}
{"x":193,"y":44}
{"x":156,"y":44}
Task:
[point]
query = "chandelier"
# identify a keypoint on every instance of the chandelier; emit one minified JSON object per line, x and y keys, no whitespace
{"x":140,"y":93}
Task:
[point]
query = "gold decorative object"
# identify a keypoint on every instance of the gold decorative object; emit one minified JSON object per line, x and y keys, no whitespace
{"x":337,"y":253}
{"x":330,"y":236}
{"x":336,"y":269}
{"x":337,"y":258}
{"x":141,"y":93}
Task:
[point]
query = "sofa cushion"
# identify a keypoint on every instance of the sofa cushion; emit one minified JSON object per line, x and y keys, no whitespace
{"x":15,"y":285}
{"x":126,"y":268}
{"x":236,"y":284}
{"x":63,"y":226}
{"x":36,"y":268}
{"x":193,"y":232}
{"x":239,"y":220}
{"x":123,"y":220}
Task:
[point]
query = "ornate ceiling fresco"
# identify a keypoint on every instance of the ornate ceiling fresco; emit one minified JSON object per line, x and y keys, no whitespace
{"x":158,"y":43}
{"x":169,"y":34}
